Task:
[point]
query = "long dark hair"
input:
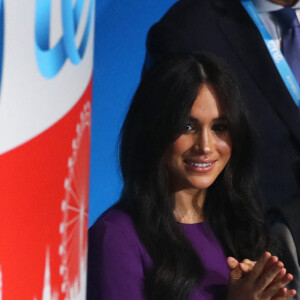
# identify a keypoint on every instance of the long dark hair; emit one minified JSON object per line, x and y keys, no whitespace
{"x":157,"y":115}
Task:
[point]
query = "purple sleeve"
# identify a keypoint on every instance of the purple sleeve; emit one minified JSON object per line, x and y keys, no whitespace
{"x":115,"y":268}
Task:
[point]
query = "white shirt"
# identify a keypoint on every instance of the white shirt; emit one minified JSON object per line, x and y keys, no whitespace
{"x":264,"y":9}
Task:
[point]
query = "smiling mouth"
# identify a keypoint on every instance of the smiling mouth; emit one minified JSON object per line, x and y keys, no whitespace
{"x":199,"y":165}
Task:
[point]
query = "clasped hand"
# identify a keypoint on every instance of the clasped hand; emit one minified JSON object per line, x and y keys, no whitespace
{"x":264,"y":280}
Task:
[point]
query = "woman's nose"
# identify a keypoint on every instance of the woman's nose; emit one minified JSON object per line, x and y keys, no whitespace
{"x":205,"y":142}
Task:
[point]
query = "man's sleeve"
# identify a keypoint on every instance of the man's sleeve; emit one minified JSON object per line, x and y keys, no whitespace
{"x":164,"y":38}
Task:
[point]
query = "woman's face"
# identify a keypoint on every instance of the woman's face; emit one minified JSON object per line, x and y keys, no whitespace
{"x":202,"y":151}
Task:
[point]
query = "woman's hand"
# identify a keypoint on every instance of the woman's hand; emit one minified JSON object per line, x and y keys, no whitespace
{"x":264,"y":280}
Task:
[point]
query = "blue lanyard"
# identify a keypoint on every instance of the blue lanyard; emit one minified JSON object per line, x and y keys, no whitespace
{"x":278,"y":58}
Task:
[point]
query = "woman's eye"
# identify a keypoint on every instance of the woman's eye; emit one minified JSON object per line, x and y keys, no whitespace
{"x":188,"y":128}
{"x":220,"y":127}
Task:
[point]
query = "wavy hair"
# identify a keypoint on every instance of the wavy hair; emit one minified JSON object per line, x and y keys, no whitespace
{"x":157,"y":115}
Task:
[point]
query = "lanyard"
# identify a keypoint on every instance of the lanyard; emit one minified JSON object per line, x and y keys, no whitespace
{"x":278,"y":58}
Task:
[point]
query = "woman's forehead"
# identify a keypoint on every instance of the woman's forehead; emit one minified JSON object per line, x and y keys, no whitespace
{"x":206,"y":104}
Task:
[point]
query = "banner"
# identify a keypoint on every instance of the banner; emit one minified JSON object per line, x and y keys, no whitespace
{"x":46,"y":54}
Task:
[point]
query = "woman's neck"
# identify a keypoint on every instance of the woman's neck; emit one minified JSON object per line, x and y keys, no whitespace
{"x":189,"y":206}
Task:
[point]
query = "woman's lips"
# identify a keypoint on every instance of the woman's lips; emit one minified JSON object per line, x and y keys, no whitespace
{"x":200,"y":167}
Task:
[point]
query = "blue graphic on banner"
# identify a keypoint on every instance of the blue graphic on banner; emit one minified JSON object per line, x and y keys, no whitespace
{"x":1,"y":36}
{"x":50,"y":61}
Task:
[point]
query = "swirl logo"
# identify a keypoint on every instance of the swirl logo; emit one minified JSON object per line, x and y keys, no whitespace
{"x":51,"y":60}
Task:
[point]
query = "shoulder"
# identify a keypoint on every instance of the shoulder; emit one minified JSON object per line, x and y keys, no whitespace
{"x":187,"y":12}
{"x":117,"y":259}
{"x":115,"y":218}
{"x":114,"y":235}
{"x":183,"y":7}
{"x":184,"y":22}
{"x":182,"y":14}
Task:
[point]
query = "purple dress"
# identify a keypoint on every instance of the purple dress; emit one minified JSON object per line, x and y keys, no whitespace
{"x":118,"y":260}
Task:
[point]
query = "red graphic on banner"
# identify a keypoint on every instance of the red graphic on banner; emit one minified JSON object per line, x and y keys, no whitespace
{"x":43,"y":211}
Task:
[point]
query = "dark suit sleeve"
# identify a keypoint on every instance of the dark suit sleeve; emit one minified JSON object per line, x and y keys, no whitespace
{"x":162,"y":40}
{"x":189,"y":26}
{"x":172,"y":34}
{"x":284,"y":227}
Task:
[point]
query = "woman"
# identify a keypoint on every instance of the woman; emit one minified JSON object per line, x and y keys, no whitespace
{"x":189,"y":198}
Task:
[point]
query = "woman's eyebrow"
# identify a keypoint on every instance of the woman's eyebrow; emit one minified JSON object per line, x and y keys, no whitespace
{"x":192,"y":119}
{"x":220,"y":118}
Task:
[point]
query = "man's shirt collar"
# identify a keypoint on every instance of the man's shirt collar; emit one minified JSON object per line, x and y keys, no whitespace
{"x":264,"y":6}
